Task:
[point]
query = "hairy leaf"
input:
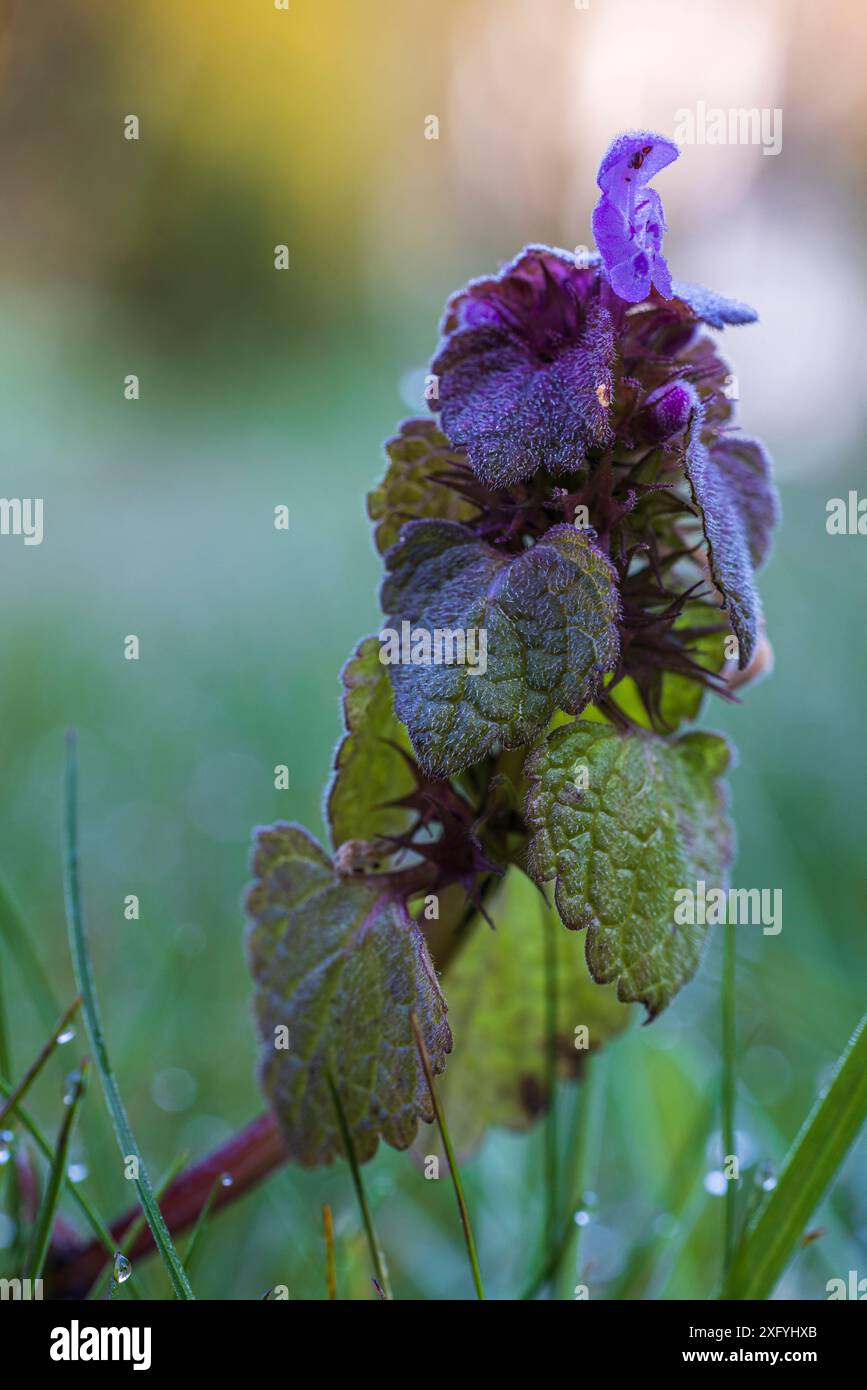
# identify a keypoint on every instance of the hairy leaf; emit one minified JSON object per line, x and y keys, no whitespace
{"x":549,"y":619}
{"x":497,"y":1010}
{"x":368,"y":771}
{"x":731,"y":484}
{"x":652,"y":820}
{"x":525,"y":368}
{"x":340,"y":964}
{"x":416,"y":455}
{"x":711,"y":307}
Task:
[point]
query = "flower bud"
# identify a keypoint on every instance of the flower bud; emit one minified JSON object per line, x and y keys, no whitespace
{"x":665,"y":413}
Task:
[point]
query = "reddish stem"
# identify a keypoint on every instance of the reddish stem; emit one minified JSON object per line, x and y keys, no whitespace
{"x":247,"y":1157}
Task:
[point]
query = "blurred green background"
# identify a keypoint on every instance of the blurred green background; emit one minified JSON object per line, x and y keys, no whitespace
{"x":155,"y":257}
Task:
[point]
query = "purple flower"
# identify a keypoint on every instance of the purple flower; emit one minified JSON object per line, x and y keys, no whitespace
{"x":628,"y":221}
{"x":526,"y":367}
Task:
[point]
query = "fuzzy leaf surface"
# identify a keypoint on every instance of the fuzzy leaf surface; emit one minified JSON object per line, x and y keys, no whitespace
{"x":652,"y":820}
{"x":340,"y":964}
{"x":550,"y":617}
{"x":731,"y":485}
{"x":416,"y":455}
{"x":368,"y":771}
{"x":526,"y":367}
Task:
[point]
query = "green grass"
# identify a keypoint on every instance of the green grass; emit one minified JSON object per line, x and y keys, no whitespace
{"x":820,"y":1148}
{"x":127,"y":1145}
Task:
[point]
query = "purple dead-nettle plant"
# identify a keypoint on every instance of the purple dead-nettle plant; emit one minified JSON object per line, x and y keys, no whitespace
{"x":579,"y":495}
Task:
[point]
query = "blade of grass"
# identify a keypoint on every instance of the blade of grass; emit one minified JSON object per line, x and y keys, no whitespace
{"x":88,"y":1211}
{"x":552,"y":1176}
{"x":224,"y":1180}
{"x":686,"y":1169}
{"x":134,"y":1231}
{"x":84,"y":977}
{"x":19,"y":941}
{"x":729,"y":1092}
{"x":330,"y":1273}
{"x":376,"y":1253}
{"x":581,"y":1161}
{"x":450,"y":1155}
{"x":56,"y":1176}
{"x":552,"y":1241}
{"x":44,"y":1053}
{"x":5,"y":1050}
{"x":810,"y":1166}
{"x":14,"y":1200}
{"x":586,"y":1122}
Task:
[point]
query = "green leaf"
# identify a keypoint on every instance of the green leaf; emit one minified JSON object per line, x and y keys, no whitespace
{"x":367,"y":771}
{"x":651,"y":820}
{"x":548,"y":616}
{"x":416,"y":455}
{"x":497,"y":1010}
{"x":827,"y":1135}
{"x":340,"y":964}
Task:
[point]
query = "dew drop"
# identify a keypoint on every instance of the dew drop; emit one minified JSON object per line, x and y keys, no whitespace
{"x":766,"y":1177}
{"x":122,"y":1268}
{"x":66,"y":1036}
{"x":226,"y":1180}
{"x":70,"y":1087}
{"x":715,"y":1183}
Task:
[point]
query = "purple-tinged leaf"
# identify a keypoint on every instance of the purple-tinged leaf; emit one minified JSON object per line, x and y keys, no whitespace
{"x":548,"y":616}
{"x":746,"y":465}
{"x":338,"y":965}
{"x":731,"y":484}
{"x":525,"y":368}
